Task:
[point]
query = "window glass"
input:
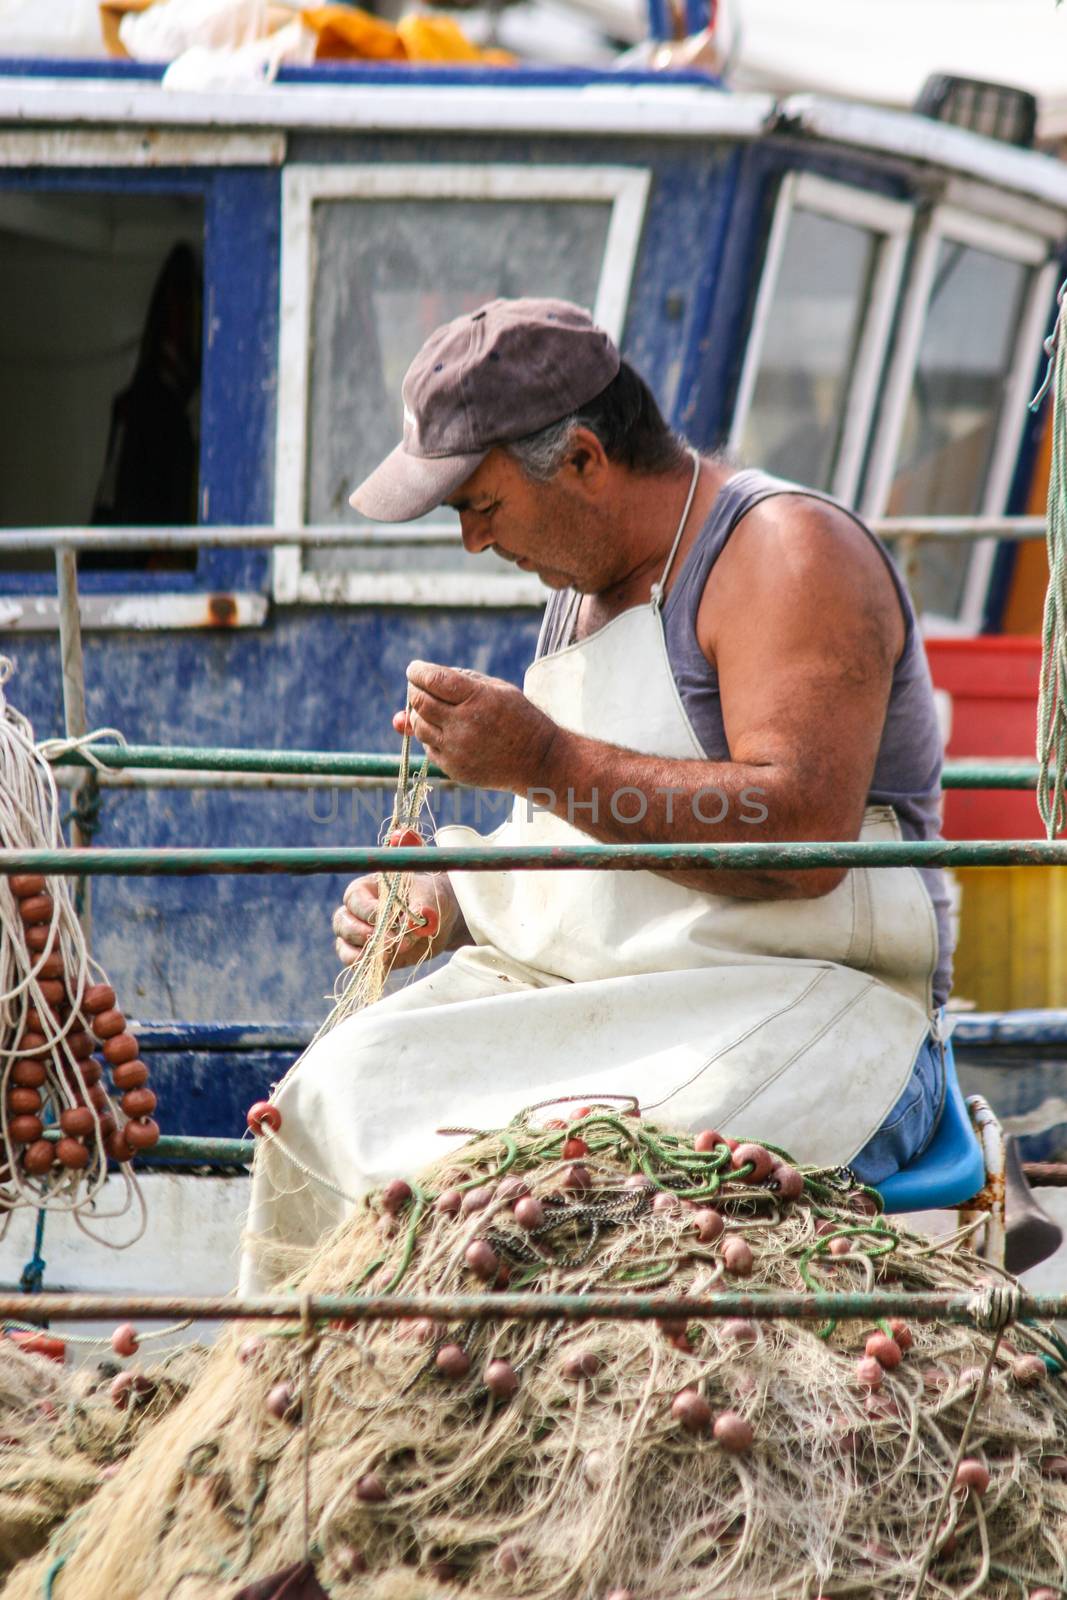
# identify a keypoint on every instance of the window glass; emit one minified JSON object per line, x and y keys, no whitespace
{"x":954,"y":407}
{"x":796,"y":414}
{"x":100,"y":339}
{"x":386,"y":274}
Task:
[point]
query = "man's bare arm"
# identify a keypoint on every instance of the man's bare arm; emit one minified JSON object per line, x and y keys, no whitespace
{"x":803,"y":625}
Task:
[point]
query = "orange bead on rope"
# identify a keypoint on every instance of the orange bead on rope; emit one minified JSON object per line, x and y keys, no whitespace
{"x":29,"y":1073}
{"x":71,"y":1153}
{"x":138,"y":1102}
{"x":78,"y":1121}
{"x":97,"y":998}
{"x":20,"y":1101}
{"x":117,"y":1148}
{"x":38,"y":1157}
{"x":107,"y":1024}
{"x":264,"y":1114}
{"x":124,"y":1340}
{"x":406,"y":839}
{"x":130,"y":1075}
{"x":25,"y":1129}
{"x":120,"y":1049}
{"x":35,"y":909}
{"x":141,"y":1134}
{"x":23,"y":884}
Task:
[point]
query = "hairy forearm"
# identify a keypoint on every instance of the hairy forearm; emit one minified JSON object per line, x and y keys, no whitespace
{"x":619,"y":797}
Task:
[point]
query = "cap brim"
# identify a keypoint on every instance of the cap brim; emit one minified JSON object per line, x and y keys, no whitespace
{"x":405,"y":486}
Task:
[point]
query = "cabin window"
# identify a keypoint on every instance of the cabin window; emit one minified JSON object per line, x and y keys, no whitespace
{"x":955,"y":399}
{"x":809,"y":345}
{"x":373,"y":261}
{"x":957,"y":387}
{"x":99,"y":365}
{"x":832,"y":270}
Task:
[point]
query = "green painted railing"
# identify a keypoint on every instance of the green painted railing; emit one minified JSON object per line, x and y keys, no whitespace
{"x":971,"y":1310}
{"x":338,"y":764}
{"x":221,"y":1152}
{"x":204,"y":1150}
{"x":989,"y":775}
{"x":201,"y":1149}
{"x":301,"y":861}
{"x":196,"y":758}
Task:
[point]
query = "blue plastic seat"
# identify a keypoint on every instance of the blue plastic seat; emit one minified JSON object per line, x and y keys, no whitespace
{"x":950,"y":1170}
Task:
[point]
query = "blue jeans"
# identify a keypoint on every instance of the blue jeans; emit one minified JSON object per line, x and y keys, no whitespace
{"x":909,"y":1127}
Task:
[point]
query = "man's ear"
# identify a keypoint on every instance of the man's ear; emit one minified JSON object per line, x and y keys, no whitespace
{"x":587,"y":460}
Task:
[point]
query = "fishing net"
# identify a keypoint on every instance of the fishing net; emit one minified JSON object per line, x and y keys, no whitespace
{"x":364,"y":983}
{"x":589,"y":1459}
{"x":62,"y":1433}
{"x":395,"y":921}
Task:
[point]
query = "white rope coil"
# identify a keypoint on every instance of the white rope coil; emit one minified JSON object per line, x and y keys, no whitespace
{"x":996,"y":1306}
{"x":30,"y":819}
{"x":54,"y":750}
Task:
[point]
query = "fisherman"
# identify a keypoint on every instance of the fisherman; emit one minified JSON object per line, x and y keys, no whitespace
{"x":724,"y":657}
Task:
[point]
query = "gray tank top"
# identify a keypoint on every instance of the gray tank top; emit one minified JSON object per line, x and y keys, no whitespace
{"x":907,"y":772}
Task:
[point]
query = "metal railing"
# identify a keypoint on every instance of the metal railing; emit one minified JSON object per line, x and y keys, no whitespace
{"x":966,"y":1309}
{"x":47,"y":541}
{"x":381,"y":767}
{"x":300,"y":860}
{"x":65,"y":544}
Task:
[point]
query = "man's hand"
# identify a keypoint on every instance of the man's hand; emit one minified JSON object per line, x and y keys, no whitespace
{"x":482,"y":731}
{"x":431,"y":898}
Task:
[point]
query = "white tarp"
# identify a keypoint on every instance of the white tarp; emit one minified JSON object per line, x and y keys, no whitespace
{"x":882,"y":51}
{"x":50,"y":28}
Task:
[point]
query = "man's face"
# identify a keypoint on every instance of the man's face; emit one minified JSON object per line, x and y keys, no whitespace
{"x":559,"y":529}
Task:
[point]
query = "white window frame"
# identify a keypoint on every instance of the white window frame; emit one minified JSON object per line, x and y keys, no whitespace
{"x":138,"y":148}
{"x":892,"y":222}
{"x":302,"y":186}
{"x":1009,"y":241}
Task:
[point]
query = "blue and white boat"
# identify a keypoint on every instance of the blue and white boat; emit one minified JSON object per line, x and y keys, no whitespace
{"x":208,"y":303}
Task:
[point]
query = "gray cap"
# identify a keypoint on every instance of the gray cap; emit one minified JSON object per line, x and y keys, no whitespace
{"x":488,"y":378}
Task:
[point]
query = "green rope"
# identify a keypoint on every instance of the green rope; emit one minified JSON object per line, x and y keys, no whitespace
{"x":48,"y":1588}
{"x":1052,"y":691}
{"x":668,"y":1161}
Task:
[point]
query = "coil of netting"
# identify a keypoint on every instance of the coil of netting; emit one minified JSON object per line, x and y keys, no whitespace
{"x":30,"y":819}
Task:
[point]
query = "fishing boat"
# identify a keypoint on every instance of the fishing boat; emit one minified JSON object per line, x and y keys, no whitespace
{"x":211,"y":300}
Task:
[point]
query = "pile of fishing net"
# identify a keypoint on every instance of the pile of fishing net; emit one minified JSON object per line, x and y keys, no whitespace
{"x":597,"y":1458}
{"x":63,"y":1431}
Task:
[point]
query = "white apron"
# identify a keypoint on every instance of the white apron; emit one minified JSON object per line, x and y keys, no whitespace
{"x":795,"y":1021}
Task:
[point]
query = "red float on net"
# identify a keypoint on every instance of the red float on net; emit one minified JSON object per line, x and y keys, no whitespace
{"x":264,"y":1115}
